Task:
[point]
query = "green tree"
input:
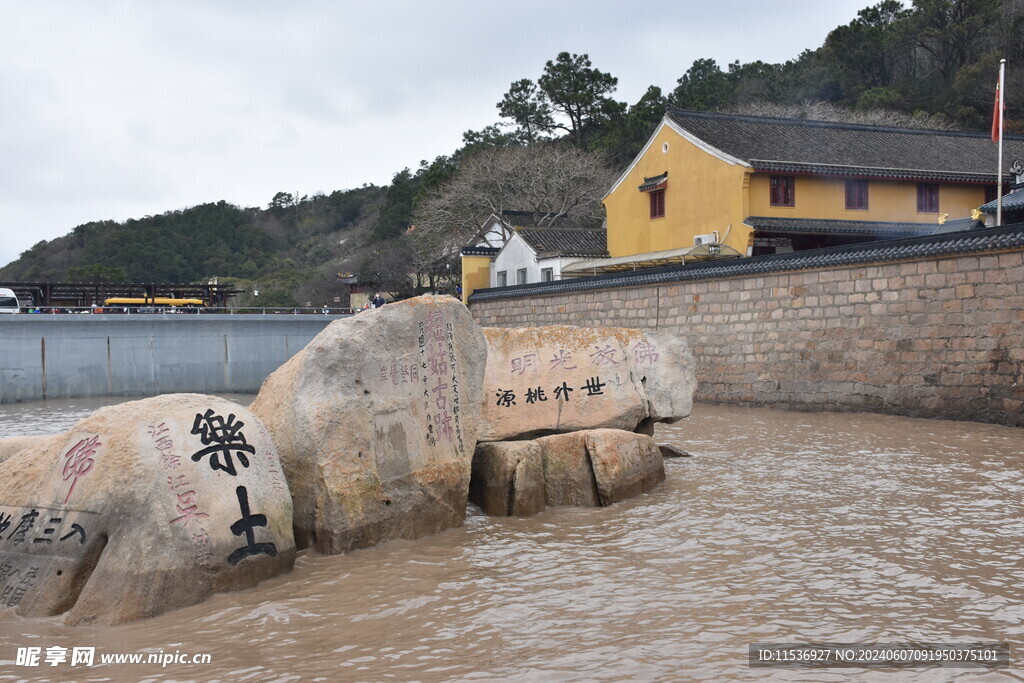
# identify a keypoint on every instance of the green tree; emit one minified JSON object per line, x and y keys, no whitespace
{"x":433,"y":175}
{"x":395,"y":214}
{"x":579,"y":94}
{"x":703,"y":86}
{"x":528,"y":108}
{"x":626,"y":135}
{"x":953,"y":32}
{"x":489,"y":136}
{"x":756,"y":82}
{"x":871,"y":51}
{"x":281,"y":200}
{"x":97,"y":273}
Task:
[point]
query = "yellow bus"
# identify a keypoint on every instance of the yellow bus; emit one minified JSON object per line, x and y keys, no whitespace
{"x":153,"y":302}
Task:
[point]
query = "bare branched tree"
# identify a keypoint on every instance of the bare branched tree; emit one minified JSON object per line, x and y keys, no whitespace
{"x":552,"y":181}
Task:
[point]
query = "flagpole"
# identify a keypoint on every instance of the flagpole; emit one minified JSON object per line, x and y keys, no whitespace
{"x":999,"y":181}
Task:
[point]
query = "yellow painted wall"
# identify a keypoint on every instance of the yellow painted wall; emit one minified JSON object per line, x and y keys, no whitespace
{"x":888,"y":200}
{"x":476,"y":274}
{"x":703,"y":194}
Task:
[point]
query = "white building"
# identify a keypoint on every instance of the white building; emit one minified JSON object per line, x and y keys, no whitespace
{"x":539,"y":254}
{"x":521,"y":252}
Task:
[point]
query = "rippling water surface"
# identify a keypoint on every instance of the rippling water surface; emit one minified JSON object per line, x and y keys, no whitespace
{"x":781,"y":527}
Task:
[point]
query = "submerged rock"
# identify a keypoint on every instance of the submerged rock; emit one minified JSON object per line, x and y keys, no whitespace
{"x":670,"y":451}
{"x":558,"y":379}
{"x":141,"y":508}
{"x":625,"y":465}
{"x":568,"y":474}
{"x":508,"y":478}
{"x":376,"y":421}
{"x":588,"y":468}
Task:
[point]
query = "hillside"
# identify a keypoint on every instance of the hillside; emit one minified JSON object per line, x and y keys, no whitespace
{"x":291,"y":251}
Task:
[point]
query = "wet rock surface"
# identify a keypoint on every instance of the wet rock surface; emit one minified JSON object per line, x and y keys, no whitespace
{"x":559,"y":379}
{"x":588,"y":468}
{"x":670,"y":451}
{"x":141,"y":508}
{"x":508,"y":478}
{"x":376,"y":421}
{"x":625,"y":464}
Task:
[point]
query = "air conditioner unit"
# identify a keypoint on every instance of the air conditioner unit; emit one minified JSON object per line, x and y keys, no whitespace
{"x":709,"y":238}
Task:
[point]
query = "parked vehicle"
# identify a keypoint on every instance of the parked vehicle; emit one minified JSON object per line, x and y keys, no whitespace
{"x":153,"y":305}
{"x":9,"y":302}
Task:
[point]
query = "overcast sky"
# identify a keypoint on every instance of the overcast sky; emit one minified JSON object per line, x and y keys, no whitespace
{"x":114,"y":110}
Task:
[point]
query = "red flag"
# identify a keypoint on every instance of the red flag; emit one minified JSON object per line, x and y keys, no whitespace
{"x":996,"y":109}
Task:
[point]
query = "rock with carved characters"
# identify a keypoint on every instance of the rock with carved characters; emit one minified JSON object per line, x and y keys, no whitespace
{"x":376,"y":420}
{"x":141,"y":508}
{"x":556,"y":379}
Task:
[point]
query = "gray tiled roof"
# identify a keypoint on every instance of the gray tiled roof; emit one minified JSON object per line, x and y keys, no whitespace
{"x":818,"y":147}
{"x":565,"y":241}
{"x":653,"y":182}
{"x":529,"y":219}
{"x":837,"y":227}
{"x":480,"y":251}
{"x":972,"y":241}
{"x":958,"y":225}
{"x":1011,"y":202}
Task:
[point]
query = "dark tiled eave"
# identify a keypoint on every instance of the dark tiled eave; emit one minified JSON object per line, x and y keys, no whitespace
{"x":867,"y":172}
{"x":816,"y":226}
{"x":1011,"y":203}
{"x":573,"y":254}
{"x":653,"y":182}
{"x":988,"y":239}
{"x":479,"y":251}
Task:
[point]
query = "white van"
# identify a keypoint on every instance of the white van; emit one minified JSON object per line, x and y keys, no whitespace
{"x":8,"y":301}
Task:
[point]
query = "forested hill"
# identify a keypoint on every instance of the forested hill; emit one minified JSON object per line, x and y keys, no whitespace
{"x":930,"y":63}
{"x":291,"y":250}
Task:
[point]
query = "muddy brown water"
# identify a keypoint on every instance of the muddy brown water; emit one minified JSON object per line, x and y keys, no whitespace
{"x":781,"y":527}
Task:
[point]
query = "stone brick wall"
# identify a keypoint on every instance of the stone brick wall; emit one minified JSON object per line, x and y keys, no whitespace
{"x":941,"y":338}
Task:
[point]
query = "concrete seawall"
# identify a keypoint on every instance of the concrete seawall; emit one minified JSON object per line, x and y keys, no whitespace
{"x":71,"y":356}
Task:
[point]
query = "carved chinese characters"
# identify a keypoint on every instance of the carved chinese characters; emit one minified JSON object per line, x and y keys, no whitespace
{"x":143,"y":507}
{"x":376,"y":421}
{"x":559,"y":379}
{"x":79,"y":460}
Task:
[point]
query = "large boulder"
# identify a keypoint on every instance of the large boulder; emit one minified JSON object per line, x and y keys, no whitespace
{"x":557,"y":379}
{"x":625,"y":465}
{"x":376,"y":421}
{"x":15,"y":444}
{"x":508,"y":478}
{"x":589,"y":468}
{"x":568,"y":474}
{"x":141,"y":508}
